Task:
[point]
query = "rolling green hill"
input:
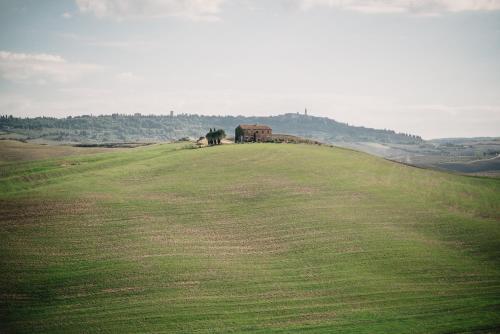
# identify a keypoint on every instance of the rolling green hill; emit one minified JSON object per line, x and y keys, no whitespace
{"x":246,"y":238}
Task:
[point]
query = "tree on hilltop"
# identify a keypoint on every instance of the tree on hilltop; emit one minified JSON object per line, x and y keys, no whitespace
{"x":214,"y":137}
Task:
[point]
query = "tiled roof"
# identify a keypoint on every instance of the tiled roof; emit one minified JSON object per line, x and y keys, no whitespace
{"x":254,"y":127}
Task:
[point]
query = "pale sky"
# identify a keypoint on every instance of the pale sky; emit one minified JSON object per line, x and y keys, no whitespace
{"x":429,"y":67}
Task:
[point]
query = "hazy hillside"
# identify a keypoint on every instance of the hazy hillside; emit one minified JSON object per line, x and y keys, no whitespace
{"x":464,"y":155}
{"x":260,"y":238}
{"x":116,"y":128}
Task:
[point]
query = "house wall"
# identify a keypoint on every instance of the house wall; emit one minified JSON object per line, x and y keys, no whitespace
{"x":258,"y":135}
{"x":249,"y":135}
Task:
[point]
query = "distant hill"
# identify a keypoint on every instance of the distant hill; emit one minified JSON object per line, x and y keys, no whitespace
{"x":121,"y":128}
{"x":478,"y":166}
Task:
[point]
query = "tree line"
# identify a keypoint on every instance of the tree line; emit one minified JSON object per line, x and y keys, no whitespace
{"x":138,"y":127}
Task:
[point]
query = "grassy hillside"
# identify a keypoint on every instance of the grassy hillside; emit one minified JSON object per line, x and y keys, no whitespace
{"x":13,"y":150}
{"x":246,"y":238}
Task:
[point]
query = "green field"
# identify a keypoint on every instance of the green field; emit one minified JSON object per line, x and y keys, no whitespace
{"x":246,"y":238}
{"x":14,"y":151}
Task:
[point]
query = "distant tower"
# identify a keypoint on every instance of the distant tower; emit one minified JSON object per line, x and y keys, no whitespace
{"x":305,"y":112}
{"x":171,"y":113}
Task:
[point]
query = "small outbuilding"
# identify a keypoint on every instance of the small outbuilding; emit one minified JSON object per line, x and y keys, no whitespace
{"x":252,"y":133}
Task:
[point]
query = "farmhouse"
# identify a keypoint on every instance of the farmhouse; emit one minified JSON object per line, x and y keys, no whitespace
{"x":252,"y":133}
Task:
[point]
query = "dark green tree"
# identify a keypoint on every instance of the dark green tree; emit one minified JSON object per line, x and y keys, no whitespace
{"x":219,"y":135}
{"x":214,"y":137}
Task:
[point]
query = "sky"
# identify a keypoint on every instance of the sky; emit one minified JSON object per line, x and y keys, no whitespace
{"x":426,"y":67}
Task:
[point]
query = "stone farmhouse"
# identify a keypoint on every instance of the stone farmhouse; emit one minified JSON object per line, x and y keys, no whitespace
{"x":252,"y":133}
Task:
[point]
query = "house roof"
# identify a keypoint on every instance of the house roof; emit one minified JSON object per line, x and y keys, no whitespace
{"x":254,"y":127}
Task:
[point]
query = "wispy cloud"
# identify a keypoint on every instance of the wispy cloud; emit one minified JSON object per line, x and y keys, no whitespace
{"x":147,"y":9}
{"x":41,"y":68}
{"x":128,"y":78}
{"x":131,"y":42}
{"x":422,"y":7}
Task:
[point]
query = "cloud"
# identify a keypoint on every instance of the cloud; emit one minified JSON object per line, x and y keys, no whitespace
{"x":421,"y":7}
{"x":131,"y":42}
{"x":128,"y":78}
{"x":147,"y":9}
{"x":41,"y":68}
{"x":66,"y":15}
